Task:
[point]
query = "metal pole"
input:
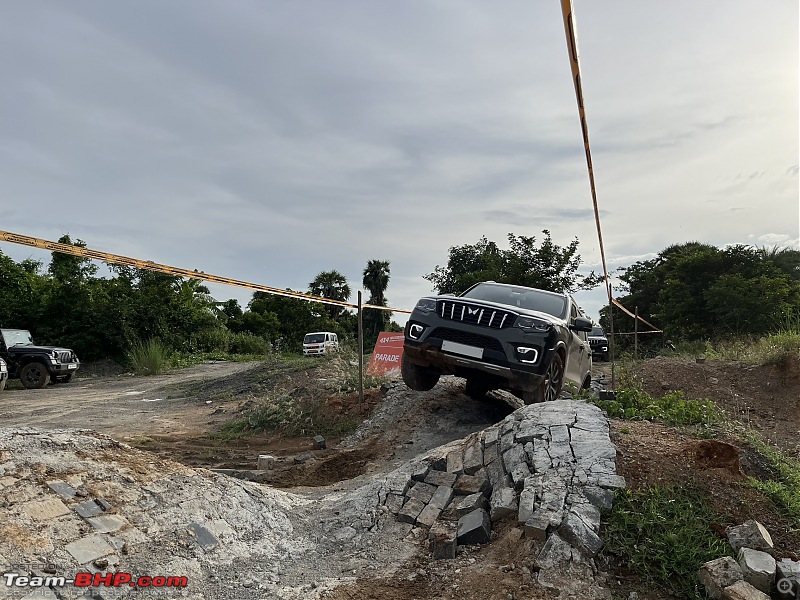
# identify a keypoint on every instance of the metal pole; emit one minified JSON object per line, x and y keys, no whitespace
{"x":360,"y":351}
{"x":636,"y":333}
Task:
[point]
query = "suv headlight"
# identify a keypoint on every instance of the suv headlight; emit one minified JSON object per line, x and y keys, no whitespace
{"x":426,"y":305}
{"x":531,"y":323}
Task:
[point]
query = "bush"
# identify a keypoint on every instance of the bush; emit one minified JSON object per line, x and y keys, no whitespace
{"x":149,"y":358}
{"x":212,"y":340}
{"x":248,"y":343}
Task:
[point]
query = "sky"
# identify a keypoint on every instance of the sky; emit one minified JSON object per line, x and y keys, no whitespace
{"x":269,"y":141}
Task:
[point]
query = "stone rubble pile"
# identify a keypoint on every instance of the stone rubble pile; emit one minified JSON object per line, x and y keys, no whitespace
{"x":756,"y":575}
{"x":551,"y":464}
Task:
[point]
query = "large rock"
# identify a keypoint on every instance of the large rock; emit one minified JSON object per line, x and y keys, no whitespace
{"x":787,"y":574}
{"x":474,"y":528}
{"x":575,"y":531}
{"x":741,"y":590}
{"x":502,"y":503}
{"x":718,"y":574}
{"x":750,"y":534}
{"x":442,"y":539}
{"x":758,"y":568}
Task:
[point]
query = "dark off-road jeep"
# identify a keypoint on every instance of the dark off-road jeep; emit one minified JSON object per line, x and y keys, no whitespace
{"x":499,"y":336}
{"x":35,"y":366}
{"x":599,"y":343}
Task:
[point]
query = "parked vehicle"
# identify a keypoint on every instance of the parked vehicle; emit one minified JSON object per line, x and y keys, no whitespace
{"x":3,"y":374}
{"x":36,"y":366}
{"x":319,"y":343}
{"x":599,"y":343}
{"x":499,"y":336}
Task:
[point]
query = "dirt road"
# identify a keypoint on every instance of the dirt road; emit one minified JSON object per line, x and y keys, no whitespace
{"x":123,"y":407}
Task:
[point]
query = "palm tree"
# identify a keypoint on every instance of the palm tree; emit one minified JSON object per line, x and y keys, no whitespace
{"x":333,"y":285}
{"x":376,"y":280}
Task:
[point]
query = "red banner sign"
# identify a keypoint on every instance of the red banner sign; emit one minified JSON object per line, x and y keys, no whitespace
{"x":386,"y":357}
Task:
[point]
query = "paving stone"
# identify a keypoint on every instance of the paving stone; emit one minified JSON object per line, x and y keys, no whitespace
{"x":473,"y":458}
{"x":490,"y":437}
{"x":46,"y":509}
{"x":90,"y":548}
{"x":513,"y":457}
{"x":559,"y":434}
{"x":519,"y":474}
{"x":490,"y":454}
{"x":600,"y":497}
{"x":611,"y":481}
{"x":560,"y":452}
{"x":461,"y":505}
{"x":527,"y":502}
{"x":87,"y":509}
{"x":469,"y":484}
{"x":589,"y":514}
{"x":319,"y":442}
{"x":474,"y":528}
{"x":506,"y":442}
{"x":758,"y":568}
{"x":529,"y":431}
{"x":718,"y":574}
{"x":549,"y":418}
{"x":497,"y":475}
{"x":205,"y":539}
{"x":536,"y":526}
{"x":107,"y":523}
{"x":595,"y":450}
{"x":455,"y":462}
{"x":439,"y":464}
{"x":421,"y":491}
{"x":442,"y":540}
{"x":410,"y":511}
{"x":508,"y":425}
{"x":420,"y":472}
{"x":442,"y":497}
{"x":541,"y":459}
{"x":62,"y":488}
{"x":503,"y":502}
{"x":394,"y":502}
{"x":441,"y":478}
{"x":554,"y":553}
{"x":750,"y":534}
{"x":265,"y":462}
{"x":427,"y":517}
{"x":553,"y":497}
{"x":577,"y":533}
{"x":581,"y":435}
{"x":741,"y":590}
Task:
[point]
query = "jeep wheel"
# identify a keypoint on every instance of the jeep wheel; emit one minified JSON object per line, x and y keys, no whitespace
{"x":34,"y":375}
{"x":420,"y":379}
{"x":476,"y":389}
{"x":550,"y":388}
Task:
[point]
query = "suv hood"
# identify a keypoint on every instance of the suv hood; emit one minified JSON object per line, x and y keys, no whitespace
{"x":37,"y":349}
{"x":504,"y":307}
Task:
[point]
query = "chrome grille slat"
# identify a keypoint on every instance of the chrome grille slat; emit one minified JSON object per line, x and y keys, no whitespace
{"x":466,"y":312}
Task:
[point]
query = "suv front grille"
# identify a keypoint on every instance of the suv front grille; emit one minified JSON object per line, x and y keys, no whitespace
{"x":597,"y":342}
{"x":465,"y":337}
{"x":65,"y":356}
{"x":473,"y":314}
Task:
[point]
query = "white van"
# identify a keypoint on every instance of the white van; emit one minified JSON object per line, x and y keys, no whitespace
{"x":320,"y":342}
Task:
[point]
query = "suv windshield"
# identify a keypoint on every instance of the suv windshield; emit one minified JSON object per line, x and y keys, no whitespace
{"x":17,"y":337}
{"x":314,"y":338}
{"x":598,"y":332}
{"x":522,"y":297}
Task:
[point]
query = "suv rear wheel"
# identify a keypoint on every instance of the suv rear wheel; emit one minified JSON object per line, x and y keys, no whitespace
{"x":420,"y":379}
{"x":550,"y":388}
{"x":34,"y":375}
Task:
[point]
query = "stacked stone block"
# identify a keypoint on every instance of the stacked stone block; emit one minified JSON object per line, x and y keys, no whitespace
{"x":552,"y":465}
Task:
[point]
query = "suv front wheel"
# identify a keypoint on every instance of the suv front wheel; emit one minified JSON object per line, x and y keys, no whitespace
{"x":34,"y":375}
{"x":419,"y":379}
{"x":550,"y":388}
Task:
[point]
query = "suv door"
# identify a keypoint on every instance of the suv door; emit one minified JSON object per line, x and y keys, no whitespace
{"x":578,"y":348}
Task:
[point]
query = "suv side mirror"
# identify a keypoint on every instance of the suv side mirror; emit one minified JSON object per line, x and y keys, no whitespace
{"x":581,"y":324}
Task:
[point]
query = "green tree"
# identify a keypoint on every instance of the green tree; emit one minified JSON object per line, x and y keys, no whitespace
{"x":333,"y":285}
{"x":547,"y":266}
{"x":376,"y":281}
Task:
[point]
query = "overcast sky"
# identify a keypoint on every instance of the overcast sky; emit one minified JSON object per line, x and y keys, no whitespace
{"x":269,"y":141}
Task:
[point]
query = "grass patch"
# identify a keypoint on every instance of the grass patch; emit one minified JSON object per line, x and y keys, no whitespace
{"x":285,"y":414}
{"x":785,"y":490}
{"x":633,"y":403}
{"x":346,"y":382}
{"x":149,"y":357}
{"x":664,"y":534}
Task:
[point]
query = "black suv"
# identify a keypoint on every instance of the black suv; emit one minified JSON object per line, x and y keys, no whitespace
{"x":499,"y":336}
{"x":599,"y":343}
{"x":35,"y":366}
